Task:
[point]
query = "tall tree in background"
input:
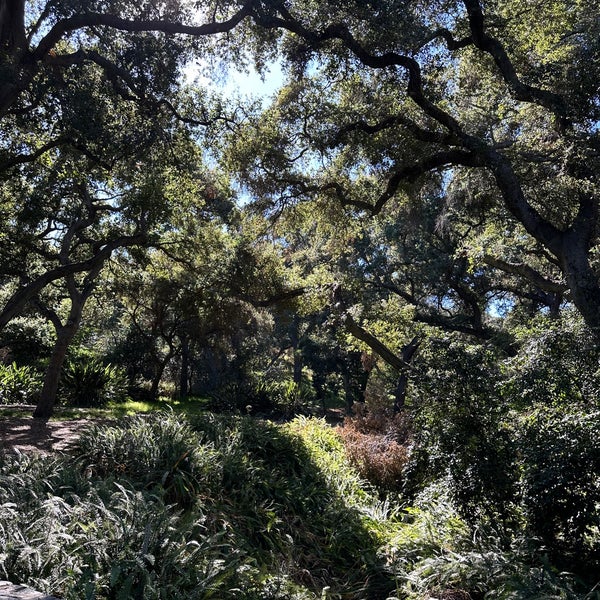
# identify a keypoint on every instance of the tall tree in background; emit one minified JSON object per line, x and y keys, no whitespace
{"x":90,"y":120}
{"x":478,"y":113}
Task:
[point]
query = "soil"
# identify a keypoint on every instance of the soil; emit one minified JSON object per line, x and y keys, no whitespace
{"x":26,"y":434}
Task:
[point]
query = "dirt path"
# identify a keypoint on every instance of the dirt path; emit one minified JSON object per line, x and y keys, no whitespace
{"x":28,"y":434}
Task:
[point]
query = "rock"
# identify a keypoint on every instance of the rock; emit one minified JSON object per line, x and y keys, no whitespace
{"x":10,"y":591}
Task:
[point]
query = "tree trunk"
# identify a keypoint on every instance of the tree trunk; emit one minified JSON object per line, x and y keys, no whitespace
{"x":213,"y":368}
{"x":584,"y":287}
{"x":64,"y":337}
{"x":161,"y":365}
{"x":348,"y":392}
{"x":400,"y":393}
{"x":16,"y":73}
{"x":184,"y":375}
{"x":355,"y":372}
{"x":158,"y":373}
{"x":12,"y":31}
{"x":296,"y":352}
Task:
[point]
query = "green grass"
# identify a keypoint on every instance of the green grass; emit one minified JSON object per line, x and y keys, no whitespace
{"x":113,"y":410}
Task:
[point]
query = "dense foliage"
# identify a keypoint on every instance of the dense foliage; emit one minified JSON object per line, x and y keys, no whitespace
{"x":402,"y":238}
{"x":270,"y":512}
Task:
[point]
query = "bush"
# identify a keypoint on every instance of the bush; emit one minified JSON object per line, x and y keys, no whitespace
{"x":81,"y":539}
{"x":242,"y":398}
{"x":87,"y":381}
{"x":18,"y":385}
{"x":276,"y":513}
{"x":283,"y":496}
{"x":460,"y":430}
{"x":561,"y":481}
{"x":29,"y":340}
{"x":377,"y":444}
{"x":254,"y":396}
{"x":293,"y":398}
{"x":557,"y":364}
{"x":161,"y":451}
{"x":435,"y":554}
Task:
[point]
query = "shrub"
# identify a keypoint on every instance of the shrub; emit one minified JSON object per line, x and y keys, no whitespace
{"x":561,"y":480}
{"x":254,"y":396}
{"x":377,"y":444}
{"x":29,"y":340}
{"x":460,"y":429}
{"x":325,"y":447}
{"x":278,"y":514}
{"x":160,"y":451}
{"x":243,"y":398}
{"x":105,"y":540}
{"x":435,"y":554}
{"x":87,"y":381}
{"x":18,"y":385}
{"x":557,"y":364}
{"x":293,"y":398}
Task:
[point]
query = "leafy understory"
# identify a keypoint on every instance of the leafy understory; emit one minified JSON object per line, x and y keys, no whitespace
{"x":228,"y":507}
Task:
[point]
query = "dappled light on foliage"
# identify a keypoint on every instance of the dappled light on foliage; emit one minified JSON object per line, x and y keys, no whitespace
{"x":360,"y":311}
{"x":266,"y":509}
{"x":229,"y":507}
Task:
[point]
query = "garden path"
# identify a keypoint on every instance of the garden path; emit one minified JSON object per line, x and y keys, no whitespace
{"x":26,"y":434}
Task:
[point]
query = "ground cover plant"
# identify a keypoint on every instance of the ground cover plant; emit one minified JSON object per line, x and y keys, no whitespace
{"x":228,"y":507}
{"x":18,"y":385}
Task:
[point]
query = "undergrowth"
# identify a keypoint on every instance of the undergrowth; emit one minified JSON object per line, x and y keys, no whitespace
{"x":229,"y":507}
{"x":377,"y":444}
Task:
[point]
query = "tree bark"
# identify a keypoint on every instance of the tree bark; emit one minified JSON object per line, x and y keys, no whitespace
{"x":400,"y":393}
{"x":64,"y":336}
{"x":184,"y":374}
{"x":378,"y":347}
{"x":348,"y":394}
{"x":584,"y":287}
{"x":161,"y":365}
{"x":12,"y":27}
{"x":408,"y":353}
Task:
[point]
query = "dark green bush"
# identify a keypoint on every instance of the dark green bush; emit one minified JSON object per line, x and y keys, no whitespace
{"x":255,"y":396}
{"x":160,"y":451}
{"x":557,"y":364}
{"x":83,"y":538}
{"x":29,"y":340}
{"x":459,"y":430}
{"x":87,"y":381}
{"x":561,"y":481}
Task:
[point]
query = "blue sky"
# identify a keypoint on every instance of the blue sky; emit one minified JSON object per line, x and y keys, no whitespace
{"x":237,"y":83}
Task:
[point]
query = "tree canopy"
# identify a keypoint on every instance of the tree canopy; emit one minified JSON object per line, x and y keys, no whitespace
{"x":456,"y":144}
{"x":490,"y":109}
{"x":404,"y":237}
